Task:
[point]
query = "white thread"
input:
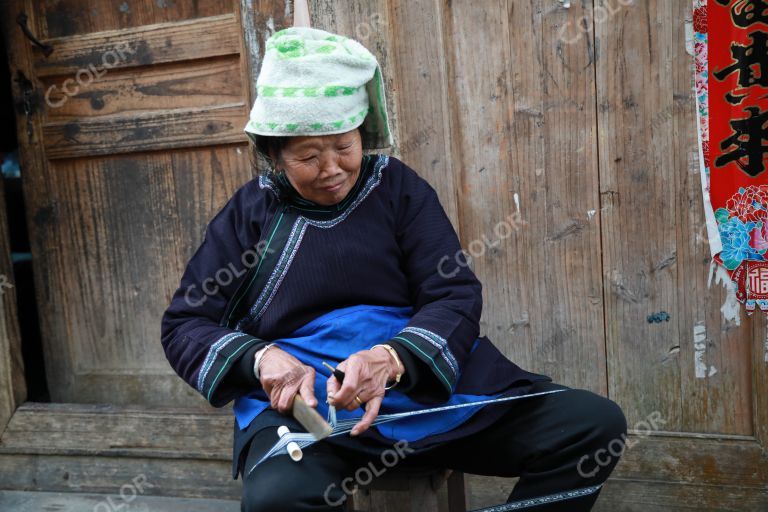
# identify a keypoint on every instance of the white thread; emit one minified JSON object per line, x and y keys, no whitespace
{"x":345,"y":426}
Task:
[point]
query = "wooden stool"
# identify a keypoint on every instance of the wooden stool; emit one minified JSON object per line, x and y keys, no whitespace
{"x":410,"y":490}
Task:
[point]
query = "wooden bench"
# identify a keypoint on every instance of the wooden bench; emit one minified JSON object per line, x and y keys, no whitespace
{"x":411,"y":490}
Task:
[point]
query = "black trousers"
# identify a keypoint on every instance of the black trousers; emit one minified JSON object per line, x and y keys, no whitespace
{"x":563,"y":446}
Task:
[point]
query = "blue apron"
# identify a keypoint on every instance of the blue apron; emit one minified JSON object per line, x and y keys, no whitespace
{"x":335,"y":336}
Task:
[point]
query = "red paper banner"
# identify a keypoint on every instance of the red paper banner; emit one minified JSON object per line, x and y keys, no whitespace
{"x":732,"y":91}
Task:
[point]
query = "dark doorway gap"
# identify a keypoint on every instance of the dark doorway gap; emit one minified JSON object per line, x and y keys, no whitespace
{"x":32,"y":351}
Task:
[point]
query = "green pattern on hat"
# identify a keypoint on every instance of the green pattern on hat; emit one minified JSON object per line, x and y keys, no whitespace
{"x":313,"y":82}
{"x":310,"y":92}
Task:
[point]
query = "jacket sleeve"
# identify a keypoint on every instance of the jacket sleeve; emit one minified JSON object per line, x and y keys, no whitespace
{"x":446,"y":295}
{"x":214,"y":359}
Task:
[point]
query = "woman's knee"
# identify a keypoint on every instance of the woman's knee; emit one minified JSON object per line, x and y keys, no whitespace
{"x":603,"y":428}
{"x":602,"y":418}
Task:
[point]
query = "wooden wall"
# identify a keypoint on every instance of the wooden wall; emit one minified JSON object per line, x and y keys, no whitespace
{"x":583,"y":141}
{"x":576,"y":127}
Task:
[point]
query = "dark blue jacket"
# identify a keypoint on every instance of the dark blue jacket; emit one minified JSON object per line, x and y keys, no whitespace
{"x":272,"y":261}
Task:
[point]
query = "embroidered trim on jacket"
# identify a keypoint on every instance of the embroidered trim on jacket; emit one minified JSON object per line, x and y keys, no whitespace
{"x":213,"y":352}
{"x":427,"y":359}
{"x":279,"y":272}
{"x":297,"y":234}
{"x":266,"y":182}
{"x":439,"y":342}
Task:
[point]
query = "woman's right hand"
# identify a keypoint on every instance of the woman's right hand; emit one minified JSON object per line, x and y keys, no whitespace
{"x":283,"y":376}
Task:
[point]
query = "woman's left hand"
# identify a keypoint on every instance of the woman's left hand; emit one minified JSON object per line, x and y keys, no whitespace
{"x":366,"y":373}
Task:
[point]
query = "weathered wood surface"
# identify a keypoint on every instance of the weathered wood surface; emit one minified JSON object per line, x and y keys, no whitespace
{"x":74,"y":17}
{"x":561,"y":141}
{"x":211,"y":479}
{"x":129,"y":497}
{"x":438,"y":491}
{"x":639,"y":496}
{"x":524,"y":131}
{"x":135,"y":431}
{"x":655,"y":252}
{"x":113,"y":230}
{"x":158,"y":43}
{"x":13,"y":389}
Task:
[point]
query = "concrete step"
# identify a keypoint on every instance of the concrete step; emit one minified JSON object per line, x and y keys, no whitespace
{"x":32,"y":501}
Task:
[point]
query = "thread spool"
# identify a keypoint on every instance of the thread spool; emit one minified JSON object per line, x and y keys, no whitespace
{"x":294,"y":451}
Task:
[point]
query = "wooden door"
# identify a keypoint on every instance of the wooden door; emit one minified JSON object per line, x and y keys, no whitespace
{"x":679,"y":346}
{"x":135,"y":141}
{"x":131,"y":139}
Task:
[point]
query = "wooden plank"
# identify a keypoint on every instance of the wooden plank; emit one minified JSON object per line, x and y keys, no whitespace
{"x":36,"y":187}
{"x":107,"y":430}
{"x":167,"y":433}
{"x":105,"y":270}
{"x":620,"y":495}
{"x":156,"y":43}
{"x":759,"y":381}
{"x":654,"y":496}
{"x":638,"y":193}
{"x":66,"y":17}
{"x":260,"y":19}
{"x":654,"y":242}
{"x":524,"y":130}
{"x":702,"y":460}
{"x":178,"y":128}
{"x":128,"y":497}
{"x":412,"y":495}
{"x":197,"y":84}
{"x":12,"y":385}
{"x":420,"y":70}
{"x":115,"y":263}
{"x":13,"y":389}
{"x":736,"y":467}
{"x":210,"y":479}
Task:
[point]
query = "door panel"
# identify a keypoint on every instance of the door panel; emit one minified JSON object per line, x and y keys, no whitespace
{"x":77,"y":17}
{"x":140,"y":115}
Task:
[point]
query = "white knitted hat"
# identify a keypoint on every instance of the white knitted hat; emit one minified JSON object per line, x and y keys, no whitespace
{"x":313,"y":82}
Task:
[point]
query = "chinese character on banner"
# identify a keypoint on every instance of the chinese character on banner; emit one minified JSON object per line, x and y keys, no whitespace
{"x":731,"y":44}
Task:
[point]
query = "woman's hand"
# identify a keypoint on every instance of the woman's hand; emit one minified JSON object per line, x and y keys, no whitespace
{"x":283,"y":376}
{"x":366,"y":373}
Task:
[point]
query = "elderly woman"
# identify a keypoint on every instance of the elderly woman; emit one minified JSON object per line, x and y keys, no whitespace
{"x":340,"y":257}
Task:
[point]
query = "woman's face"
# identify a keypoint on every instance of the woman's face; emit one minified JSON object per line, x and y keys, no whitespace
{"x":323,"y":168}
